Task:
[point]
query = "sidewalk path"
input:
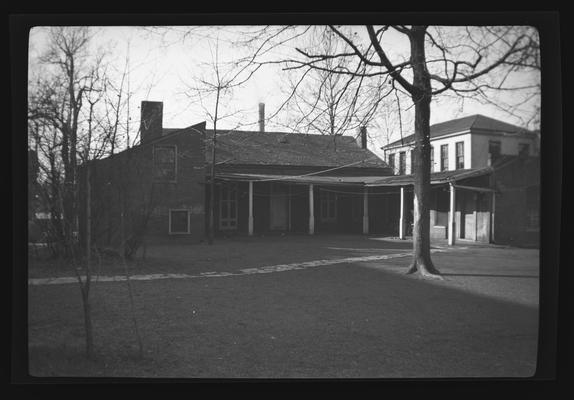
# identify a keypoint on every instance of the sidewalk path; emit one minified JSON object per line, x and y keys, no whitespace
{"x":245,"y":271}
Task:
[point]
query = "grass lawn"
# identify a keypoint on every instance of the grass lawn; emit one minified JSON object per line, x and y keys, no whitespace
{"x":350,"y":320}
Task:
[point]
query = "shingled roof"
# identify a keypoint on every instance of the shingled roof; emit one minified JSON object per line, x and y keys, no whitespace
{"x":289,"y":149}
{"x":476,"y":122}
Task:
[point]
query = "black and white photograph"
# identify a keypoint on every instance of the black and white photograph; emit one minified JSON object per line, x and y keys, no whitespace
{"x":288,"y":200}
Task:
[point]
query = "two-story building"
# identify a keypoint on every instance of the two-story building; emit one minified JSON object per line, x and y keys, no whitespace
{"x":484,"y":179}
{"x":465,"y":143}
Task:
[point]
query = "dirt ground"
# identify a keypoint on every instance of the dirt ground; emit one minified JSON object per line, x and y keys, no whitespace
{"x":363,"y":319}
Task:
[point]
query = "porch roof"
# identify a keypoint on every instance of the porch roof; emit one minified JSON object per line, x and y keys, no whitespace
{"x":436,"y":178}
{"x":372,"y":181}
{"x":303,"y":179}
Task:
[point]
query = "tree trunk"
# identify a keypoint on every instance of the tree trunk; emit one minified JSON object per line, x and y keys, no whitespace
{"x":422,"y":100}
{"x":86,"y":285}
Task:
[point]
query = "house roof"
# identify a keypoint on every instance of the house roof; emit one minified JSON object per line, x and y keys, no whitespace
{"x":290,"y":149}
{"x":475,"y":122}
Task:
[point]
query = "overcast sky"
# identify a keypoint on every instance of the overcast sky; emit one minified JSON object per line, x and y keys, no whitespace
{"x":162,"y":65}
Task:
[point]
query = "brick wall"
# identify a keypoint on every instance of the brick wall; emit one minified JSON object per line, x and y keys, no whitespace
{"x":127,"y":178}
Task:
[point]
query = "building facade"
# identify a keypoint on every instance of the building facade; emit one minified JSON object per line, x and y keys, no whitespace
{"x":278,"y":182}
{"x":485,"y":180}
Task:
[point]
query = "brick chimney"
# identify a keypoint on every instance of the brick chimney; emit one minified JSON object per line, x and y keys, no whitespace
{"x":151,"y":124}
{"x":363,"y":137}
{"x":261,"y":117}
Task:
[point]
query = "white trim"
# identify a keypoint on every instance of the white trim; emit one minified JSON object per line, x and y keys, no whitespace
{"x":412,"y":144}
{"x":188,"y":221}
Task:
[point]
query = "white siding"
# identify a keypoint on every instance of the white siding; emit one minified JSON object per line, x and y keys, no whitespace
{"x":436,"y":143}
{"x":508,"y":144}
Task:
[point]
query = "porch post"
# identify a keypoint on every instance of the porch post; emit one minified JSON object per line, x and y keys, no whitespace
{"x":493,"y":208}
{"x":311,"y":211}
{"x":289,"y":201}
{"x":402,"y":215}
{"x":365,"y":210}
{"x":451,"y":223}
{"x":250,"y":219}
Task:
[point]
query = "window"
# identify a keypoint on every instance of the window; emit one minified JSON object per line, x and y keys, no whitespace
{"x":494,"y":149}
{"x":178,"y":221}
{"x":523,"y":149}
{"x":392,"y":162}
{"x":431,"y":159}
{"x":444,"y":157}
{"x":164,"y":163}
{"x":228,"y":206}
{"x":459,"y":155}
{"x":402,"y":162}
{"x":328,"y":207}
{"x":412,"y":162}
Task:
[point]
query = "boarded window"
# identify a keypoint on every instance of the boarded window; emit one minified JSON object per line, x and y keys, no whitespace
{"x":228,"y":206}
{"x":178,"y":221}
{"x":164,"y":163}
{"x":402,"y":162}
{"x":460,"y":155}
{"x":392,"y":162}
{"x":494,"y":147}
{"x":523,"y":149}
{"x":444,"y":157}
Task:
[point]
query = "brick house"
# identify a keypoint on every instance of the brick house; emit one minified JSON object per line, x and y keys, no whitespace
{"x":269,"y":182}
{"x":265,"y":182}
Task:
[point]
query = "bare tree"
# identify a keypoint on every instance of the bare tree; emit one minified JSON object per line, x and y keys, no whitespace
{"x":210,"y":92}
{"x":422,"y":77}
{"x":334,"y":104}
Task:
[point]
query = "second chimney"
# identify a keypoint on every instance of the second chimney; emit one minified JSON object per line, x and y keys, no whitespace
{"x":363,"y":131}
{"x":151,"y":124}
{"x":261,"y":117}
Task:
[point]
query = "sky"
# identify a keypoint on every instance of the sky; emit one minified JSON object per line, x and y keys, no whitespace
{"x":163,"y":67}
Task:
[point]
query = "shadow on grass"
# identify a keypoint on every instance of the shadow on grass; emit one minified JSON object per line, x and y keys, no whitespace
{"x":493,"y":275}
{"x":329,"y":322}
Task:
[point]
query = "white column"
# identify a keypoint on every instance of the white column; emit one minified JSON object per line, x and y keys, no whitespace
{"x":451,"y":223}
{"x":365,"y":210}
{"x":289,"y":200}
{"x":311,"y":211}
{"x":402,"y":215}
{"x":250,"y":219}
{"x":493,"y":208}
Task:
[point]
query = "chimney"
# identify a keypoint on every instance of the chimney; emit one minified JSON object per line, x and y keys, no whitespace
{"x":151,"y":125}
{"x":261,"y":117}
{"x":363,"y":131}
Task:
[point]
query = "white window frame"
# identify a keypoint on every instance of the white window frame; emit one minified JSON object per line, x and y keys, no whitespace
{"x":188,"y":221}
{"x":457,"y":155}
{"x":228,"y":223}
{"x":444,"y":159}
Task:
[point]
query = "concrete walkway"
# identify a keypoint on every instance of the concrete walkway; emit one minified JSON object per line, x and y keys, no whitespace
{"x":244,"y":271}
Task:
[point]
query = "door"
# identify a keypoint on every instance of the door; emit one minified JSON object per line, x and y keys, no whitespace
{"x":469,"y":216}
{"x":483,"y":218}
{"x":279,"y":212}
